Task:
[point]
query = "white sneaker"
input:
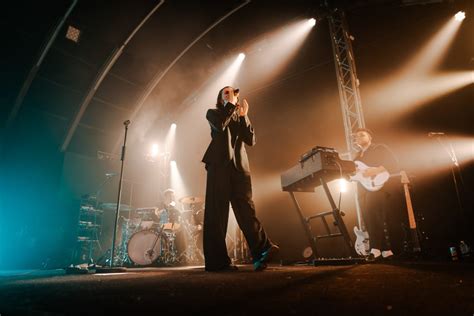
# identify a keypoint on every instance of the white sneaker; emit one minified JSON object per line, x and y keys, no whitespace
{"x":375,"y":252}
{"x":387,"y":253}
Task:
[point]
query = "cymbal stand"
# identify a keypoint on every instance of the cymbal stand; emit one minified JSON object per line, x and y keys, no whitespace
{"x":192,"y":253}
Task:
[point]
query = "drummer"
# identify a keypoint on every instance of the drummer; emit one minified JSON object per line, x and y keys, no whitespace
{"x":169,"y":213}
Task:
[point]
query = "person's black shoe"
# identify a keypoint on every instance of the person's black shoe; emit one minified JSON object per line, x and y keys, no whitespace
{"x":265,"y":257}
{"x":229,"y":268}
{"x":370,"y":258}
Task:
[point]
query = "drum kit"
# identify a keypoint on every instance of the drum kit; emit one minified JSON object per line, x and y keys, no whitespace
{"x":162,"y":236}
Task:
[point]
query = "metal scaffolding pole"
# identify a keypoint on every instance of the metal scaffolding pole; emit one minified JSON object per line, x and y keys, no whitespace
{"x":348,"y":84}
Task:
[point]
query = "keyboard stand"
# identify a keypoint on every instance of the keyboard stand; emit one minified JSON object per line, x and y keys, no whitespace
{"x":338,"y":221}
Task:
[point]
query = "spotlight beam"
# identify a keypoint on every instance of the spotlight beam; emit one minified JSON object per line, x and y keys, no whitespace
{"x":417,"y":83}
{"x":433,"y":51}
{"x":276,"y":49}
{"x":412,"y":92}
{"x":160,"y":74}
{"x":170,"y":139}
{"x":176,"y":180}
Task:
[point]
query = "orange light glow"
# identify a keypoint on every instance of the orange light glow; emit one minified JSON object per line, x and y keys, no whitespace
{"x":275,"y":50}
{"x":417,"y":82}
{"x":432,"y":155}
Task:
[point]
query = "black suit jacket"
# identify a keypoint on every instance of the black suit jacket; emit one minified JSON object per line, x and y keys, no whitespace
{"x":229,"y":132}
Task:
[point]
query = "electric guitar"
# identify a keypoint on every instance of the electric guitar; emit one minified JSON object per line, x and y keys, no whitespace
{"x":369,"y":183}
{"x":361,"y":244}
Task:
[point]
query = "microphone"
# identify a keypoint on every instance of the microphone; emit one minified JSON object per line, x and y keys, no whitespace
{"x":433,"y":134}
{"x":126,"y":123}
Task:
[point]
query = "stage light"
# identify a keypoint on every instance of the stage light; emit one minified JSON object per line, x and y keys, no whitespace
{"x":154,"y":150}
{"x":312,"y":22}
{"x":342,"y":185}
{"x":241,"y":57}
{"x":73,"y":34}
{"x":461,"y":15}
{"x":173,"y":126}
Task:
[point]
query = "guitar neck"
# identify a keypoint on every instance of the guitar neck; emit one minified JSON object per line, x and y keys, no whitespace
{"x":411,"y":215}
{"x":411,"y":219}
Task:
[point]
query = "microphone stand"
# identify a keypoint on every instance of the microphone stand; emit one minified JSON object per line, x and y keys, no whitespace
{"x":117,"y":210}
{"x":119,"y":196}
{"x":455,"y":165}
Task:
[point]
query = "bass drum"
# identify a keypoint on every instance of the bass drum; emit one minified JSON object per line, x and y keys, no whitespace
{"x":146,"y":246}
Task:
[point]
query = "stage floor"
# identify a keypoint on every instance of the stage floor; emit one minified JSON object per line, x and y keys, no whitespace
{"x":408,"y":288}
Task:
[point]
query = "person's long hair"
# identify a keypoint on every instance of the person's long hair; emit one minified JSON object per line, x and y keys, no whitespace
{"x":220,"y":99}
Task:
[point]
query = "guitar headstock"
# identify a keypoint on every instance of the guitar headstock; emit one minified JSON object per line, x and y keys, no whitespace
{"x":404,"y":177}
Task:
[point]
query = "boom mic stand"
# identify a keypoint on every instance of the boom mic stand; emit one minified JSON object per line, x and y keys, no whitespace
{"x":454,"y":167}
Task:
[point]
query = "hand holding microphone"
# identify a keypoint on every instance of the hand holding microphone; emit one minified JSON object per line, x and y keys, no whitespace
{"x":243,"y":107}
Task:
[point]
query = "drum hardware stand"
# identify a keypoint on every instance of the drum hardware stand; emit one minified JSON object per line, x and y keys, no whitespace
{"x":151,"y":251}
{"x":111,"y":268}
{"x":123,"y":255}
{"x":242,"y":248}
{"x":94,"y":239}
{"x":87,"y":241}
{"x":192,"y":253}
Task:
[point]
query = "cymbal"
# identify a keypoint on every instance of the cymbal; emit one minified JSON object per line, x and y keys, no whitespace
{"x":146,"y":210}
{"x":90,"y":209}
{"x":113,"y":207}
{"x":191,"y":200}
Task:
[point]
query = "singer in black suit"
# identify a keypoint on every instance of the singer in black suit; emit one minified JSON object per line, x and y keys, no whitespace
{"x":228,"y":180}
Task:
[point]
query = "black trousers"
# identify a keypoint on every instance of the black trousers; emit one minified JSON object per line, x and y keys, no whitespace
{"x":374,"y":207}
{"x":226,"y":184}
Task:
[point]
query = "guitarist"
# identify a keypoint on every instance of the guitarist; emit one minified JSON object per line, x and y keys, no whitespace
{"x":375,"y":205}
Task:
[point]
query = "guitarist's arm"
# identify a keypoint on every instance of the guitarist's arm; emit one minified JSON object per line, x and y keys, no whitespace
{"x":373,"y":171}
